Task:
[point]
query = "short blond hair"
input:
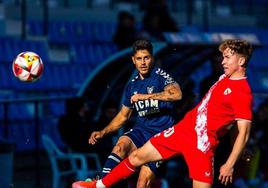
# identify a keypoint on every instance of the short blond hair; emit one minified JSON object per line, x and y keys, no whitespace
{"x":241,"y":47}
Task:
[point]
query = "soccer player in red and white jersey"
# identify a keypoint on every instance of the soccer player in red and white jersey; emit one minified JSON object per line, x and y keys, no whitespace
{"x":228,"y":102}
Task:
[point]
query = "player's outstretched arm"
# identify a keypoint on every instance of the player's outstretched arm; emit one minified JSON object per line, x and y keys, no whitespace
{"x":117,"y":122}
{"x":226,"y":170}
{"x":172,"y":92}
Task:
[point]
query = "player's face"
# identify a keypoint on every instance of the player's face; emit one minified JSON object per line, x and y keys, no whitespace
{"x":232,"y":64}
{"x":143,"y":62}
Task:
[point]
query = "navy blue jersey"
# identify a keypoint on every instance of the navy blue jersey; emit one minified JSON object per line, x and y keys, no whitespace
{"x":152,"y":115}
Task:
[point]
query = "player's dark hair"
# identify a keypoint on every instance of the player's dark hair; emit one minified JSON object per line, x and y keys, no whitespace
{"x":142,"y":45}
{"x":241,"y":47}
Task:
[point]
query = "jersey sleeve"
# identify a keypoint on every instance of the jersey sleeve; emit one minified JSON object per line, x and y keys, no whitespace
{"x":242,"y":104}
{"x":127,"y":96}
{"x":166,"y":79}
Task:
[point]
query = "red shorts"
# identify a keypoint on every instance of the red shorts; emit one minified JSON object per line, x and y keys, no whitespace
{"x":179,"y":140}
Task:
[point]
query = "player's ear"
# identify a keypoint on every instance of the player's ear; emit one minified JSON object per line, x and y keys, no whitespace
{"x":133,"y":59}
{"x":242,"y":61}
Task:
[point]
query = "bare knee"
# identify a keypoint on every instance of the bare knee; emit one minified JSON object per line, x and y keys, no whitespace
{"x":123,"y":147}
{"x":120,"y":150}
{"x":135,"y":159}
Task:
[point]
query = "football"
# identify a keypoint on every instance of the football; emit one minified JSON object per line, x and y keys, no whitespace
{"x":28,"y":66}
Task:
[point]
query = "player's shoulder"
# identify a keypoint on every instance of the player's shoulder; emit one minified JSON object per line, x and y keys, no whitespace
{"x":222,"y":77}
{"x":163,"y":76}
{"x":159,"y":71}
{"x":241,"y":85}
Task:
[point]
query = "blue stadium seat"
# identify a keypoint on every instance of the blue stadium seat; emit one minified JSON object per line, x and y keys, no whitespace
{"x":78,"y":162}
{"x":8,"y":50}
{"x":2,"y":50}
{"x":55,"y":78}
{"x":23,"y":135}
{"x":49,"y":127}
{"x":79,"y":74}
{"x":57,"y":108}
{"x":35,"y":28}
{"x":11,"y":47}
{"x":103,"y":31}
{"x":59,"y":31}
{"x":81,"y":32}
{"x":79,"y":53}
{"x":6,"y":74}
{"x":19,"y":111}
{"x":93,"y":53}
{"x":65,"y":76}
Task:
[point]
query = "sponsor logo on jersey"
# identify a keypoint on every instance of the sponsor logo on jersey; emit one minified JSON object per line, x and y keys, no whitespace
{"x":146,"y":107}
{"x":227,"y":91}
{"x":150,"y":89}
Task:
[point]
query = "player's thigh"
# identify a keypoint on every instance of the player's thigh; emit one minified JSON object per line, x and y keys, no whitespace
{"x":144,"y":154}
{"x":199,"y":184}
{"x":124,"y":146}
{"x":200,"y":165}
{"x":146,"y":177}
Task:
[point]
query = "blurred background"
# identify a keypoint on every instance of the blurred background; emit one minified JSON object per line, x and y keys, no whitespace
{"x":84,"y":45}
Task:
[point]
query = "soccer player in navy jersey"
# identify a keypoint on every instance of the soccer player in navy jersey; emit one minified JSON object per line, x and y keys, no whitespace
{"x":151,"y":93}
{"x":228,"y":102}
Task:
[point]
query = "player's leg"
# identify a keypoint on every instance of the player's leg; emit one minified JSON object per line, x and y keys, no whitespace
{"x":147,"y":153}
{"x":122,"y":148}
{"x":148,"y":174}
{"x":146,"y":177}
{"x":115,"y":173}
{"x":199,"y":184}
{"x":200,"y":166}
{"x":128,"y":166}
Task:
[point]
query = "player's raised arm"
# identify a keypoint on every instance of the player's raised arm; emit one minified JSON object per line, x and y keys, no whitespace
{"x":172,"y":92}
{"x":117,"y":122}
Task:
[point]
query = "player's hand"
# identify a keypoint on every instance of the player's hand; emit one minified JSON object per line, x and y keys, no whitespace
{"x":226,"y":174}
{"x":137,"y":97}
{"x":94,"y":137}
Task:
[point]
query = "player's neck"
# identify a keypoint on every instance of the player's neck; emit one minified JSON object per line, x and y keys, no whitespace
{"x":144,"y":76}
{"x":238,"y":75}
